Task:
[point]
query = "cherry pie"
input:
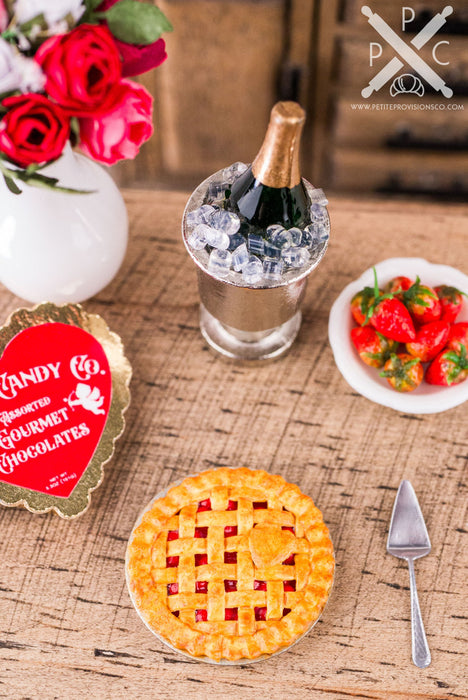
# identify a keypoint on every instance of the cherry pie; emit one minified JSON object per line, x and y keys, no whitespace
{"x":231,"y":564}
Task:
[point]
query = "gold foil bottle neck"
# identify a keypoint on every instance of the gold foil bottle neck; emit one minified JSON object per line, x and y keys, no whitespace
{"x":277,"y":162}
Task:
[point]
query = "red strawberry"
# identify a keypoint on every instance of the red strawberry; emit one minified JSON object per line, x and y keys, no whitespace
{"x":403,"y":372}
{"x":397,"y":285}
{"x":458,"y":337}
{"x":360,"y":304}
{"x":429,"y":341}
{"x":373,"y":348}
{"x":451,"y":301}
{"x":449,"y":367}
{"x":422,"y":302}
{"x":390,"y":316}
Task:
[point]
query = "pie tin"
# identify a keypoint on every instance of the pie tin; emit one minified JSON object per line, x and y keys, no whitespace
{"x":205,"y":659}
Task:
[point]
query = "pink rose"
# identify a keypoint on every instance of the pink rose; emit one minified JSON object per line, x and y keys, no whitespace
{"x":3,"y":16}
{"x":119,"y":134}
{"x":137,"y":58}
{"x":82,"y":70}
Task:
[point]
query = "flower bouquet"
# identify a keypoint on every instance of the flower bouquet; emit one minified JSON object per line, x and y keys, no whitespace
{"x":64,"y":68}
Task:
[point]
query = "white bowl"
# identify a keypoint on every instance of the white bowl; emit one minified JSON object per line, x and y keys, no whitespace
{"x":426,"y":398}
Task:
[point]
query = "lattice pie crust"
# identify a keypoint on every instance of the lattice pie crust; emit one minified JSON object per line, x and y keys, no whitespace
{"x":231,"y":564}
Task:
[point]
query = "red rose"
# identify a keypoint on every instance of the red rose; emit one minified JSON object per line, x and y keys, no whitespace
{"x":34,"y":129}
{"x":83,"y":69}
{"x":119,"y":133}
{"x":137,"y":58}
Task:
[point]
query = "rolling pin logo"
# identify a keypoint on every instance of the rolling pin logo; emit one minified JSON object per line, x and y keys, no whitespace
{"x":406,"y":54}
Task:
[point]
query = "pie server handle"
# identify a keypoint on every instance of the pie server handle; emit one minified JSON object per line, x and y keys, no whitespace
{"x":420,"y":649}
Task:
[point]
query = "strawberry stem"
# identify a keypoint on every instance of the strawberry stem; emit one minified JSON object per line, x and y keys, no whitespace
{"x":378,"y":298}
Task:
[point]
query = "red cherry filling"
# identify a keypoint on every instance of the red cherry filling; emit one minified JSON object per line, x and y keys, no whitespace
{"x":230,"y":585}
{"x":286,"y":611}
{"x":201,"y":587}
{"x":260,"y":613}
{"x":230,"y":557}
{"x":232,"y":505}
{"x":289,"y":586}
{"x":260,"y":505}
{"x":204,"y":505}
{"x":290,"y":560}
{"x":175,"y":613}
{"x":230,"y":614}
{"x":172,"y":535}
{"x":172,"y":561}
{"x":172,"y":588}
{"x":201,"y":559}
{"x":201,"y":532}
{"x":260,"y":586}
{"x":230,"y":531}
{"x":288,"y":527}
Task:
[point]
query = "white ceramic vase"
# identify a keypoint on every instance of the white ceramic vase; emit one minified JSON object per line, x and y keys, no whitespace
{"x":62,"y":247}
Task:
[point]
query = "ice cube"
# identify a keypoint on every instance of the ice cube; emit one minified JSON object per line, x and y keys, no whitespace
{"x":296,"y":235}
{"x":235,"y":241}
{"x":240,"y":257}
{"x":252,"y":271}
{"x":225,"y":221}
{"x":217,"y":190}
{"x":272,"y":251}
{"x":272,"y":269}
{"x":201,"y":215}
{"x":197,"y":239}
{"x":296,"y":257}
{"x":319,"y":232}
{"x":311,"y":236}
{"x":220,"y":262}
{"x":233,"y":171}
{"x":318,"y":196}
{"x":318,"y":212}
{"x":255,"y":243}
{"x":282,"y":239}
{"x":273,"y":229}
{"x":216,"y":239}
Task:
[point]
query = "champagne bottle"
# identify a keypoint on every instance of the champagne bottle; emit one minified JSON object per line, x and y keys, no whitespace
{"x":271,"y":190}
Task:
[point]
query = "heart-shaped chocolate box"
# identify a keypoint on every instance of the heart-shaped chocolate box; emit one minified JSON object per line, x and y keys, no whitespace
{"x":63,"y":391}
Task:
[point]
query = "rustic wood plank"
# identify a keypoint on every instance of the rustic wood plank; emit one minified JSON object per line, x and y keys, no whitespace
{"x":67,"y":626}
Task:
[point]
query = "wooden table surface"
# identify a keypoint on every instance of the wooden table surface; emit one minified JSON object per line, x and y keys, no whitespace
{"x":67,"y":626}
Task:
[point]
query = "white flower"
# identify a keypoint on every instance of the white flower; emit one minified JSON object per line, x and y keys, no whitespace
{"x":10,"y":75}
{"x":32,"y":77}
{"x":53,"y":10}
{"x":18,"y":72}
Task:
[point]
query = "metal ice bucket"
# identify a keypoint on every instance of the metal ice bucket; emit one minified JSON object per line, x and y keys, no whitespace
{"x":248,"y":323}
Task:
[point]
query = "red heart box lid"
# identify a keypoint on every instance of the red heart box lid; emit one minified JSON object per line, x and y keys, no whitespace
{"x":63,"y":391}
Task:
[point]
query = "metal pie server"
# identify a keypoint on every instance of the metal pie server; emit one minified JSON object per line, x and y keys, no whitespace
{"x":408,"y":539}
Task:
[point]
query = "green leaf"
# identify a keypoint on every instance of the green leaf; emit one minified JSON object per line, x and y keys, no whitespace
{"x":34,"y":179}
{"x":376,"y":286}
{"x":11,"y":184}
{"x":10,"y":35}
{"x":135,"y":22}
{"x":39,"y":20}
{"x":92,"y":4}
{"x":38,"y":180}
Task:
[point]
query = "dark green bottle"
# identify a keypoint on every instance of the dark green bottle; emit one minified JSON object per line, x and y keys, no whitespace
{"x":271,"y":190}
